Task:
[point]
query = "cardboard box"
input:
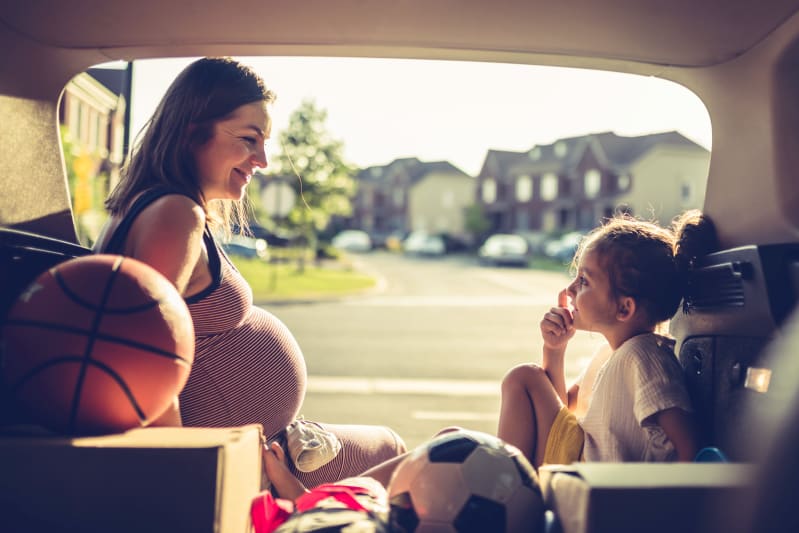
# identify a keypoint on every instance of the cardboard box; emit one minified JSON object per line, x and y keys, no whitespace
{"x":619,"y":497}
{"x":145,"y":480}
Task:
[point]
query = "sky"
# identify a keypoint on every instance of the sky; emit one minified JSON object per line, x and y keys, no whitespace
{"x":384,"y":109}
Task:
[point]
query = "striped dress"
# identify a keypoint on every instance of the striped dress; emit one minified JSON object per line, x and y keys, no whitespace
{"x":248,"y":367}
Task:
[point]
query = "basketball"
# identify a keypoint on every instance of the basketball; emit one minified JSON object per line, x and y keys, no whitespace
{"x":98,"y":344}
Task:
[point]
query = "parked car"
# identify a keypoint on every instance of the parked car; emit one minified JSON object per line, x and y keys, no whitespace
{"x":272,"y":238}
{"x":504,"y":249}
{"x":352,"y":240}
{"x":423,"y":243}
{"x":564,"y":247}
{"x":249,"y":247}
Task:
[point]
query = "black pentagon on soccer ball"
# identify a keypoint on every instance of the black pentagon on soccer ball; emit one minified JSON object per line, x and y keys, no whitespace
{"x":480,"y":514}
{"x":452,"y":448}
{"x":403,"y":517}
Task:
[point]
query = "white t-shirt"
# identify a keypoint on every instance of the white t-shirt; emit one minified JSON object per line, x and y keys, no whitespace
{"x":641,"y":378}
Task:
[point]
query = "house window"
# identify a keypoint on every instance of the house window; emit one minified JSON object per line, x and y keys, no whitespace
{"x":524,"y":188}
{"x":686,"y":192}
{"x":399,"y":197}
{"x":534,"y":154}
{"x":548,"y":222}
{"x":489,"y":191}
{"x":564,"y":218}
{"x":522,"y":220}
{"x":623,"y":182}
{"x":593,"y":181}
{"x":586,"y":217}
{"x":561,"y":149}
{"x":549,"y":186}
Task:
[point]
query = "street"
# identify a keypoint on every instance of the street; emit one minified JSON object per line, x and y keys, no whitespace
{"x":428,"y":347}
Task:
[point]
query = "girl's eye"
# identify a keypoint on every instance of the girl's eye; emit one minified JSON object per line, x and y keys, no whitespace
{"x":249,"y":140}
{"x":582,"y":281}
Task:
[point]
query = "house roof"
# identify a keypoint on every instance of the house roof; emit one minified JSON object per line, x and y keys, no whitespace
{"x":612,"y":150}
{"x":500,"y":161}
{"x":622,"y":151}
{"x":411,"y":166}
{"x":113,"y":79}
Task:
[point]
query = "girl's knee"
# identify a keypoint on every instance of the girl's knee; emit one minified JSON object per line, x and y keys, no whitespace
{"x":525,"y":375}
{"x":448,"y":429}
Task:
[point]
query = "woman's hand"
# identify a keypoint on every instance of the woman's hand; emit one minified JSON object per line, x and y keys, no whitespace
{"x":557,"y":326}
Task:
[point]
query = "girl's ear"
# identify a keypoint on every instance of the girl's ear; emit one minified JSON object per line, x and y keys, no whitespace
{"x":626,"y":308}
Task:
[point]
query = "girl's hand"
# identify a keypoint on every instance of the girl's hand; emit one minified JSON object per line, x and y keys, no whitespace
{"x":557,"y":326}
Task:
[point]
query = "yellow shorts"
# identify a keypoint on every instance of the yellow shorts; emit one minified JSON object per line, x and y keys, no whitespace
{"x":565,"y":440}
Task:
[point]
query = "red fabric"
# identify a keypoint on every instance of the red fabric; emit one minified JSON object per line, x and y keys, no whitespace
{"x":342,"y":493}
{"x":267,"y":513}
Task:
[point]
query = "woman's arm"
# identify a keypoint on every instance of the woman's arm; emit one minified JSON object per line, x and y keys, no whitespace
{"x":168,"y":235}
{"x":678,"y":426}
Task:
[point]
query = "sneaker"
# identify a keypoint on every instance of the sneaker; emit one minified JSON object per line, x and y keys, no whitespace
{"x":310,"y":446}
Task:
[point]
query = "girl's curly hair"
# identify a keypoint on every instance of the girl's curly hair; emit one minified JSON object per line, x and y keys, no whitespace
{"x":648,"y":262}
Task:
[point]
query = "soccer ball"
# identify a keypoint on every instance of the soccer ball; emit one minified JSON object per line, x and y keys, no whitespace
{"x":465,"y":481}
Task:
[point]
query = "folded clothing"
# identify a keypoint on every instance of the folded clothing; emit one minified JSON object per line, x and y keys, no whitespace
{"x":310,"y":446}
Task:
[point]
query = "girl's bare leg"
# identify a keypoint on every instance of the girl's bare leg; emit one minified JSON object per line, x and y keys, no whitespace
{"x":383,"y":472}
{"x":528,"y":408}
{"x":286,"y":485}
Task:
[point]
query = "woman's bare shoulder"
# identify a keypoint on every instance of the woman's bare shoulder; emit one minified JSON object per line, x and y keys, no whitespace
{"x":176,"y":209}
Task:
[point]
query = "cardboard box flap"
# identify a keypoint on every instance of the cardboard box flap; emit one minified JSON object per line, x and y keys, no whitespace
{"x":652,"y":497}
{"x":151,"y":479}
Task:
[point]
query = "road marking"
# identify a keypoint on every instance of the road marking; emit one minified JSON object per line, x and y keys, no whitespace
{"x":379,"y":385}
{"x":454,"y":415}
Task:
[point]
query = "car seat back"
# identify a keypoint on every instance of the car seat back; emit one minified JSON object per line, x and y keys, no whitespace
{"x":736,"y":302}
{"x":23,"y":256}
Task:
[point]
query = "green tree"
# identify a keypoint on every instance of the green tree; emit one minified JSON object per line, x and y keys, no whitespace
{"x":321,"y":177}
{"x":476,"y":222}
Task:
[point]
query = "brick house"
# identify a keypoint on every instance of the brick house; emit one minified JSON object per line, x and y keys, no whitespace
{"x":573,"y":183}
{"x":409,"y":194}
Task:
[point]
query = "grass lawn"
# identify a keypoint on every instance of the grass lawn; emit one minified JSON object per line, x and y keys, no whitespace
{"x":283,"y":281}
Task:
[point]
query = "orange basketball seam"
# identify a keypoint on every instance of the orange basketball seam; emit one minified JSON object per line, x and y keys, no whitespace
{"x":76,"y":398}
{"x":59,"y":278}
{"x":154,"y":350}
{"x":92,"y":362}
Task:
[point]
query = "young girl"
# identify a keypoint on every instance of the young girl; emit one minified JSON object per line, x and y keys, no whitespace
{"x":630,"y":404}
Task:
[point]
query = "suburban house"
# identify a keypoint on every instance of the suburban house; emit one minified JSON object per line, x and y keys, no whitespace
{"x":574,"y":183}
{"x":409,"y":195}
{"x":93,"y":113}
